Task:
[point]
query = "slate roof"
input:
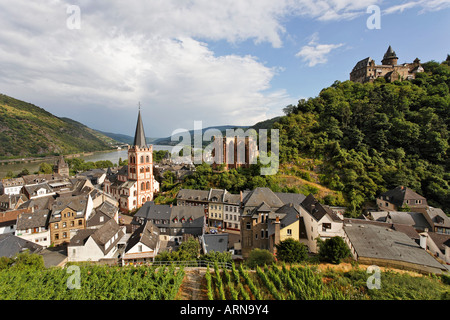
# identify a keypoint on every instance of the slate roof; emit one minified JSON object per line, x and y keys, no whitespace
{"x":232,"y":199}
{"x":10,"y":245}
{"x":32,"y":189}
{"x":76,"y":203}
{"x":194,"y":216}
{"x":438,"y":217}
{"x":101,"y":236}
{"x":139,"y":136}
{"x":398,"y":195}
{"x":147,"y":234}
{"x":193,"y":195}
{"x":363,"y":63}
{"x":439,"y":239}
{"x":288,"y":214}
{"x":12,"y":182}
{"x":372,"y":241}
{"x":38,"y":203}
{"x":40,"y":178}
{"x":415,"y":219}
{"x":260,"y":195}
{"x":317,"y":210}
{"x":215,"y":242}
{"x":295,"y":198}
{"x":36,"y":219}
{"x":216,"y":195}
{"x":406,"y":229}
{"x":389,"y":54}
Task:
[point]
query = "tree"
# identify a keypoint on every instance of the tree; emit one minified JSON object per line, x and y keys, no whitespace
{"x":259,"y":257}
{"x":291,"y":251}
{"x":333,"y":250}
{"x":26,"y":260}
{"x":45,"y":168}
{"x":24,"y":172}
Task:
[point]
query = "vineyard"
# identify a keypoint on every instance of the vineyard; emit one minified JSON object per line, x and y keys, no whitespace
{"x":274,"y":282}
{"x":307,"y":283}
{"x":95,"y":283}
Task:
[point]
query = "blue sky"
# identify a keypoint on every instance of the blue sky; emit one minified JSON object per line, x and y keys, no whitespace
{"x":221,"y":62}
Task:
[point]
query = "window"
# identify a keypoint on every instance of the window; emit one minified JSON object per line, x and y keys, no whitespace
{"x":262,"y":233}
{"x":248,"y":226}
{"x":56,"y":236}
{"x":64,"y":225}
{"x":289,"y":232}
{"x":64,"y":234}
{"x":326,"y":226}
{"x":140,"y":248}
{"x":56,"y":226}
{"x":80,"y":222}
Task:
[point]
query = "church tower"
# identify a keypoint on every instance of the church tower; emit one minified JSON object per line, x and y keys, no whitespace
{"x":140,"y":165}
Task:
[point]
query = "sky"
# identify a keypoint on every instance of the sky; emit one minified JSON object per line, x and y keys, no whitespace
{"x":227,"y":62}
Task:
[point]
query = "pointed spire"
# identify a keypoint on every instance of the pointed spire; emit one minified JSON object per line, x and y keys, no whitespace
{"x":390,"y":53}
{"x":139,"y":136}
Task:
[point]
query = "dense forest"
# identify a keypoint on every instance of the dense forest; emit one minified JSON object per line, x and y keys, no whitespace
{"x":375,"y":136}
{"x":28,"y":130}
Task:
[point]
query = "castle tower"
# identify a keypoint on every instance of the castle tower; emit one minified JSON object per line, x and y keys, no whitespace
{"x":140,"y":165}
{"x":390,"y":58}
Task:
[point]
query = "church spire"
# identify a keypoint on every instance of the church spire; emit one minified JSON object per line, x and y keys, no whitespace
{"x":139,"y":136}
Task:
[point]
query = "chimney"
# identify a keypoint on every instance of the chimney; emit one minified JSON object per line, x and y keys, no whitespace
{"x":423,"y":240}
{"x":277,"y":231}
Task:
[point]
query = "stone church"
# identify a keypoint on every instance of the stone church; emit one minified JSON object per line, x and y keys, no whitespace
{"x":134,"y":184}
{"x":367,"y":71}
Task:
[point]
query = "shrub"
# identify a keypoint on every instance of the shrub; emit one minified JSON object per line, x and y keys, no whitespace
{"x":259,"y":257}
{"x":333,"y":250}
{"x":291,"y":251}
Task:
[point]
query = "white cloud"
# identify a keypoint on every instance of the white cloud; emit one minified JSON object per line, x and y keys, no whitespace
{"x":425,"y":5}
{"x":156,"y":52}
{"x":315,"y":53}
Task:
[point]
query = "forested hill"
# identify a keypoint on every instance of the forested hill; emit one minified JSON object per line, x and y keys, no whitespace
{"x":375,"y":136}
{"x":28,"y":130}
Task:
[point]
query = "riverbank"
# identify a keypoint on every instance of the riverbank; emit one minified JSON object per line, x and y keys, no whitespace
{"x":32,"y":164}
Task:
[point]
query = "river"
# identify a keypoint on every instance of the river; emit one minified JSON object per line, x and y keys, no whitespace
{"x":112,"y":156}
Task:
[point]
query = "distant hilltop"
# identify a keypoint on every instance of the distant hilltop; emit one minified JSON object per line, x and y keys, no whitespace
{"x":367,"y":71}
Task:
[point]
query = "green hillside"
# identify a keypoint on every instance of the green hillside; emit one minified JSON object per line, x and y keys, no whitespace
{"x":375,"y":136}
{"x":27,"y":130}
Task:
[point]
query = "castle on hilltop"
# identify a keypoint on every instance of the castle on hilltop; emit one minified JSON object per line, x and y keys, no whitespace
{"x":367,"y":71}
